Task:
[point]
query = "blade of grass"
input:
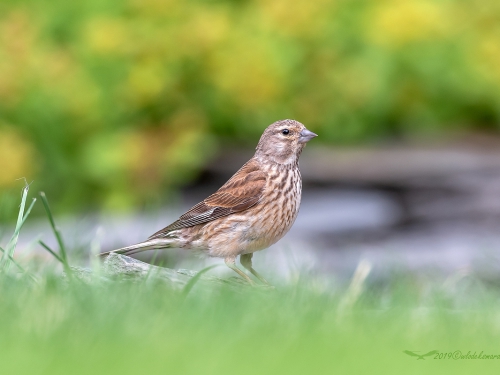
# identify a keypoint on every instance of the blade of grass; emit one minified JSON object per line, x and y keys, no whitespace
{"x":9,"y":253}
{"x":355,"y":288}
{"x":153,"y":259}
{"x":17,"y":231}
{"x":28,"y":211}
{"x":95,"y":250}
{"x":189,"y":285}
{"x":57,"y":233}
{"x":30,"y":275}
{"x":46,"y":247}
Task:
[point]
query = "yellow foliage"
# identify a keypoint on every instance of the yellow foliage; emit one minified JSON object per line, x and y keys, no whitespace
{"x":146,"y":79}
{"x":204,"y":28}
{"x":128,"y":96}
{"x":398,"y":22}
{"x":17,"y":41}
{"x":106,"y":35}
{"x":16,"y":157}
{"x":249,"y":71}
{"x":157,"y":8}
{"x":295,"y":18}
{"x":487,"y":57}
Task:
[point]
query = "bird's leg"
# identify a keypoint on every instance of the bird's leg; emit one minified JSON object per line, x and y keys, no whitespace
{"x":230,"y":262}
{"x":246,"y":261}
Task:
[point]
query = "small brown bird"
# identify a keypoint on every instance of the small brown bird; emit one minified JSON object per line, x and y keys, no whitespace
{"x":251,"y":211}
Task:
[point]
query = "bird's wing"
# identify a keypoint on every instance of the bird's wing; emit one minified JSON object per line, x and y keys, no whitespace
{"x":430,"y":353}
{"x":410,"y":353}
{"x":241,"y":192}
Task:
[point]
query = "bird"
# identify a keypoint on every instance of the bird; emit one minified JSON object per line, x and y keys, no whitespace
{"x":253,"y":210}
{"x":410,"y":353}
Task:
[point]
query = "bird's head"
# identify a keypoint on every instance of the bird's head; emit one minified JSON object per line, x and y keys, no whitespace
{"x":283,"y":141}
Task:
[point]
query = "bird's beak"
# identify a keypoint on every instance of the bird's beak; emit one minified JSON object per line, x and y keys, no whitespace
{"x":306,"y":136}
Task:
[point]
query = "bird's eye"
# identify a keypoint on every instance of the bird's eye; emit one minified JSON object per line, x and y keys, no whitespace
{"x":285,"y":131}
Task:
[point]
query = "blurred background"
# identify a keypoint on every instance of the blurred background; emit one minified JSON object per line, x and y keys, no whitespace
{"x":128,"y":112}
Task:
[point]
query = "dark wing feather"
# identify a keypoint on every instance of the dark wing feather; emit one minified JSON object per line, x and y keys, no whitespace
{"x":410,"y":353}
{"x":430,"y":353}
{"x":241,"y":192}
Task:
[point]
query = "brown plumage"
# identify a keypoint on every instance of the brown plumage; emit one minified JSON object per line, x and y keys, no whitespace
{"x":251,"y":211}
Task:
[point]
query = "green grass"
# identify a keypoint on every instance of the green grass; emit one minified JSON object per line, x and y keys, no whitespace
{"x":307,"y":326}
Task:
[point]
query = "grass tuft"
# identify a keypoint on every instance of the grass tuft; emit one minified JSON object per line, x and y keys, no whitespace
{"x":62,"y":256}
{"x":8,"y":254}
{"x":60,"y":326}
{"x":191,"y":283}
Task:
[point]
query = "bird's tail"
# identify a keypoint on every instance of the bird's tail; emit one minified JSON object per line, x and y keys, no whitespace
{"x":143,"y":246}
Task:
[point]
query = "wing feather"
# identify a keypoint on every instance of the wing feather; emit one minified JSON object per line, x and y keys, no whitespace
{"x":239,"y":193}
{"x":410,"y":353}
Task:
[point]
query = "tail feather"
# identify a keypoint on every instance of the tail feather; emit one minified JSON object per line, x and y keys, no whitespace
{"x":143,"y":246}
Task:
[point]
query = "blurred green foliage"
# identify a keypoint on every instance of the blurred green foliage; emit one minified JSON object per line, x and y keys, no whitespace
{"x":114,"y":103}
